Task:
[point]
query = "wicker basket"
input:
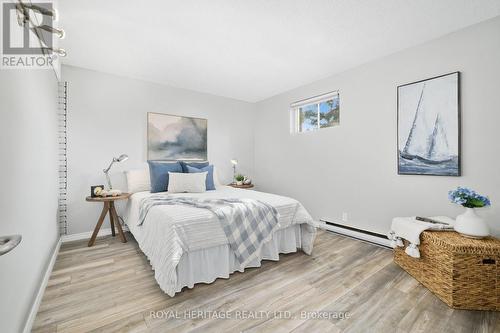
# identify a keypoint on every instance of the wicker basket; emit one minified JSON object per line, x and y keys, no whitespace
{"x":462,"y":272}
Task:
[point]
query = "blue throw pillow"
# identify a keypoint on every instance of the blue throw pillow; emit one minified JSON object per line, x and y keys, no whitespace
{"x":210,"y":175}
{"x":158,"y":173}
{"x":197,"y":165}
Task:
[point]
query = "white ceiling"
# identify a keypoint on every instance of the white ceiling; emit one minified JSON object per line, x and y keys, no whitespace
{"x":251,"y":50}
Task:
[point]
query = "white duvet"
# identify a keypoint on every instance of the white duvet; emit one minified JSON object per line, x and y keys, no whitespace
{"x":170,"y":231}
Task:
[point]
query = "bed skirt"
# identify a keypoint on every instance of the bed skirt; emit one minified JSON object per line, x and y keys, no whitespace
{"x":206,"y":265}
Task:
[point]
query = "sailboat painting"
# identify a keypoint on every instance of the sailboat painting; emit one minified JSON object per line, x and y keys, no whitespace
{"x":429,"y":127}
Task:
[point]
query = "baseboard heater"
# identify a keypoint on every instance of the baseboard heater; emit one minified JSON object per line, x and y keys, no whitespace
{"x":360,"y":234}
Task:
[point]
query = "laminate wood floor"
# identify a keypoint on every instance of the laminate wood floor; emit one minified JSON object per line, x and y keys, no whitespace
{"x":353,"y":285}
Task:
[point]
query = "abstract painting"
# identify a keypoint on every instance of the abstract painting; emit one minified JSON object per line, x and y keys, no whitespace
{"x":429,"y":127}
{"x":176,"y":138}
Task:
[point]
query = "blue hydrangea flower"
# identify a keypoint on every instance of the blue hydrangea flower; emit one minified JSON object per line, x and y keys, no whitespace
{"x":468,"y":198}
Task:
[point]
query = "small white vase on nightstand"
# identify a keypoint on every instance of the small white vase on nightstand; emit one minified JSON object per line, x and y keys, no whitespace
{"x":469,"y":224}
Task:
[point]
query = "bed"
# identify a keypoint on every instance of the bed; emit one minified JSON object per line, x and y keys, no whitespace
{"x":186,"y":245}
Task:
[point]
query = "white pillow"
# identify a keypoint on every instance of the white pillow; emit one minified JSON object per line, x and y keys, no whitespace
{"x":217,"y":182}
{"x":187,"y":182}
{"x":138,"y":180}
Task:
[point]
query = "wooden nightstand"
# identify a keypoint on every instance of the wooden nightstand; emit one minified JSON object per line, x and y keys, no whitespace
{"x":241,"y":186}
{"x":109,"y":206}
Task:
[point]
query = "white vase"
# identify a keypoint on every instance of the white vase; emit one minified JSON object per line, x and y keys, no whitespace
{"x":469,"y":224}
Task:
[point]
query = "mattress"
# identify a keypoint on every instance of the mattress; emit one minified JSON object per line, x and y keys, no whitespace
{"x":186,"y":245}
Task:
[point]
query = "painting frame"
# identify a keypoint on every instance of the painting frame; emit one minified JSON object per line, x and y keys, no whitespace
{"x":148,"y":140}
{"x":458,"y":115}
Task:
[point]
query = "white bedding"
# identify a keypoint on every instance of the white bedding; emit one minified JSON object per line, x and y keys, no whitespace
{"x":186,"y":245}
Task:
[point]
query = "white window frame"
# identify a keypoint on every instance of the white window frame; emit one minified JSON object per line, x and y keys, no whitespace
{"x":295,"y":107}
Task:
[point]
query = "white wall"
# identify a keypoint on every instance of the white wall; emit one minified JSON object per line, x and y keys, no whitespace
{"x":352,"y":168}
{"x":107,"y":117}
{"x":28,"y":199}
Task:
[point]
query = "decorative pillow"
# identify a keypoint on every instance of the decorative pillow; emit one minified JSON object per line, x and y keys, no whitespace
{"x":187,"y":182}
{"x":138,"y":180}
{"x":158,"y":172}
{"x":198,"y":165}
{"x":217,"y":182}
{"x":210,"y":175}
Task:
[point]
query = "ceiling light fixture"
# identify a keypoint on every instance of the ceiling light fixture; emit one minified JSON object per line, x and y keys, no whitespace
{"x":59,"y":32}
{"x":23,"y":18}
{"x":60,"y":52}
{"x":44,"y":11}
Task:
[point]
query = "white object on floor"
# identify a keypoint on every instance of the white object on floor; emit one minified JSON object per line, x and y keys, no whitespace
{"x":410,"y":229}
{"x":353,"y":233}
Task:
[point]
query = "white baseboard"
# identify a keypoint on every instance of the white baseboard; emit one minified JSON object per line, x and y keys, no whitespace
{"x":355,"y":234}
{"x":38,"y":299}
{"x":88,"y":234}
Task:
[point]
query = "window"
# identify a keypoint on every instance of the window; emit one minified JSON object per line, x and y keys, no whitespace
{"x":316,"y":112}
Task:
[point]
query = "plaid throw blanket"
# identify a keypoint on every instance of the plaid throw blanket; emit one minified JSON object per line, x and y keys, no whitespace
{"x":247,"y":223}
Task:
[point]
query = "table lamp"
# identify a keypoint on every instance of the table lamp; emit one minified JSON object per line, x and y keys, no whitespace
{"x":121,"y":158}
{"x":234,"y":162}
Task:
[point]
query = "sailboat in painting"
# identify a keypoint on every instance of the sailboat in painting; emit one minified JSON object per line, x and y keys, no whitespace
{"x":430,"y":122}
{"x":434,"y":149}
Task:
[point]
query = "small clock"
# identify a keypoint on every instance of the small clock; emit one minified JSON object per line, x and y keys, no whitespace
{"x":94,"y":190}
